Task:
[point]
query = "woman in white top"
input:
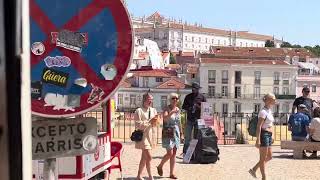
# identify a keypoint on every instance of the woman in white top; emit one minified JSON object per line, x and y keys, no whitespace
{"x":145,"y":119}
{"x":264,"y":135}
{"x":314,"y":129}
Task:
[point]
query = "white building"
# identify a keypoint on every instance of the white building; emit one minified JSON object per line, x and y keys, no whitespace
{"x":315,"y":61}
{"x":178,"y":36}
{"x":308,"y":76}
{"x":147,"y":53}
{"x":237,"y":86}
{"x":160,"y":83}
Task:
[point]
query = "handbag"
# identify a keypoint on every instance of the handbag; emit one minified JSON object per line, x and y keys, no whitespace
{"x":136,"y":135}
{"x":168,"y":132}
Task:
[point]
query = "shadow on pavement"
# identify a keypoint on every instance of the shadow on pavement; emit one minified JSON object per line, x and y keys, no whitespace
{"x":134,"y":178}
{"x":157,"y":157}
{"x":290,"y":156}
{"x":282,"y":151}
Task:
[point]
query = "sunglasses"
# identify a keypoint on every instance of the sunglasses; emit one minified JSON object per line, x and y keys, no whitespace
{"x":306,"y":91}
{"x":174,"y":98}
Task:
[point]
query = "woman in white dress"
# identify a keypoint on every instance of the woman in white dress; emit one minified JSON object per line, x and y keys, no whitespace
{"x":145,"y":119}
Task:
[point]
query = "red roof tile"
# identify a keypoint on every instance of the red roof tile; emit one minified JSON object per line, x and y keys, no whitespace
{"x":143,"y":55}
{"x":153,"y":73}
{"x":125,"y":84}
{"x":172,"y":84}
{"x":243,"y":61}
{"x":173,"y":66}
{"x":185,"y":59}
{"x":155,"y":16}
{"x":262,"y":52}
{"x":184,"y":54}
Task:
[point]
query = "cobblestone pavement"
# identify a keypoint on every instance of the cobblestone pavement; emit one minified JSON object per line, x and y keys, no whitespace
{"x":235,"y":160}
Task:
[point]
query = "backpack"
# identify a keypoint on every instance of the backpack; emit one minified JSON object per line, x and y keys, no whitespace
{"x":252,"y":128}
{"x":207,"y":150}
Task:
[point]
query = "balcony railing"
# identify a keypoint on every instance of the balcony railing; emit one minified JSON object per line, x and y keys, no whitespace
{"x":127,"y":108}
{"x":237,"y":81}
{"x":285,"y":96}
{"x":285,"y":82}
{"x":224,"y":81}
{"x":276,"y":82}
{"x":211,"y":80}
{"x":247,"y":96}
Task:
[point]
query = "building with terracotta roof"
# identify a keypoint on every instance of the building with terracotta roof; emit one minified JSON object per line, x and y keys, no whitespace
{"x":288,"y":54}
{"x":177,"y":36}
{"x":161,"y":82}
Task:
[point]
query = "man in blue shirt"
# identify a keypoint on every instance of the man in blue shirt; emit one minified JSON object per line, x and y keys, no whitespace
{"x":299,"y":123}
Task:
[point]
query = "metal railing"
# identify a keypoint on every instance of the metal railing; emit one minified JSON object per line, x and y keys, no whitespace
{"x":224,"y":81}
{"x":257,"y":81}
{"x":233,"y":126}
{"x":245,"y":96}
{"x":236,"y":125}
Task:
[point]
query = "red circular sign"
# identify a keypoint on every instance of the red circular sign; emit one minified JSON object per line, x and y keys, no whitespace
{"x":80,"y":51}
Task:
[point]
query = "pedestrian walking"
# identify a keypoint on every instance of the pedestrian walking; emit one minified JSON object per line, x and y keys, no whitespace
{"x":171,"y":134}
{"x":264,"y":135}
{"x":145,"y":119}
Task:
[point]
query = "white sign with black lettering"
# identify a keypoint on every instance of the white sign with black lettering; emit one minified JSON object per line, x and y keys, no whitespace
{"x":61,"y":138}
{"x":190,"y":150}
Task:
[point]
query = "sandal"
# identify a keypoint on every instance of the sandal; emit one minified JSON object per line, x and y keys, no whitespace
{"x":173,"y":177}
{"x":253,"y":174}
{"x":160,"y":171}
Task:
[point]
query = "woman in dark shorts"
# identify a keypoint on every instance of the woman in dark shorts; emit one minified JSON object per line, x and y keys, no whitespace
{"x":264,"y":131}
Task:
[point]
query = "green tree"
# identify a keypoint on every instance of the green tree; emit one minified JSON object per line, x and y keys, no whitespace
{"x":286,"y":45}
{"x":315,"y":50}
{"x":172,"y":59}
{"x":296,"y":46}
{"x":269,"y":43}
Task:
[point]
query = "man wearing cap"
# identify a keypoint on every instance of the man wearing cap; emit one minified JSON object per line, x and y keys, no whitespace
{"x":304,"y":99}
{"x":299,"y":123}
{"x":192,"y":104}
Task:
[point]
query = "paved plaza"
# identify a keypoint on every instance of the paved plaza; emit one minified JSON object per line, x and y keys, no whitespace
{"x":235,"y":160}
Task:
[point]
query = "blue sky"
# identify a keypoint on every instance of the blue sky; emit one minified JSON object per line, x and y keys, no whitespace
{"x":297,"y":21}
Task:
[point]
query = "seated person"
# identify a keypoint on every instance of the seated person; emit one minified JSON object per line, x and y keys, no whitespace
{"x":314,"y":130}
{"x":298,"y":124}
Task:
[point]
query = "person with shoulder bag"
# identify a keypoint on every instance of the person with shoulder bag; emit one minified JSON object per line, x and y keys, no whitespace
{"x":264,"y":135}
{"x":171,"y":134}
{"x":146,"y":118}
